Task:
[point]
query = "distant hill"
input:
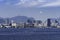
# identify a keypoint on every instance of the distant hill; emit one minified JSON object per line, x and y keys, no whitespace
{"x":18,"y":19}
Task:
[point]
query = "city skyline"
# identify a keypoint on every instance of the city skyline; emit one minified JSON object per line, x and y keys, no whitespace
{"x":38,"y":9}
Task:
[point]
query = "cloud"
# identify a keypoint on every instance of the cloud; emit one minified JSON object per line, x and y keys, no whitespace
{"x":38,"y":3}
{"x":31,"y":3}
{"x":52,"y":4}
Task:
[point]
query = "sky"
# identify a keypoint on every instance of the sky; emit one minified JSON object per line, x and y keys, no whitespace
{"x":39,"y":9}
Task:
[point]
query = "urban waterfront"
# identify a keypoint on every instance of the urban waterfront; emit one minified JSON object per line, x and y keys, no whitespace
{"x":29,"y":19}
{"x":30,"y":29}
{"x":29,"y":34}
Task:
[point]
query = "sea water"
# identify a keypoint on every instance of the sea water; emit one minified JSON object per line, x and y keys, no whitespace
{"x":29,"y":34}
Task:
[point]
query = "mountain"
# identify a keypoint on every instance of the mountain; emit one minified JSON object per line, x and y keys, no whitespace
{"x":18,"y":19}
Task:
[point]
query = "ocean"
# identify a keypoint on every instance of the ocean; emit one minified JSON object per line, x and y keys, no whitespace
{"x":29,"y":34}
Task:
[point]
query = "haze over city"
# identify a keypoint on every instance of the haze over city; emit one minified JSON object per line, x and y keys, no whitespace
{"x":38,"y":9}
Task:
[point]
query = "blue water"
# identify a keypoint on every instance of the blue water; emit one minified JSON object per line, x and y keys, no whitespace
{"x":30,"y":34}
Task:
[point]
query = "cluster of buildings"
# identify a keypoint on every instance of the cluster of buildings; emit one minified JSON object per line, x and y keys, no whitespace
{"x":52,"y":23}
{"x":49,"y":23}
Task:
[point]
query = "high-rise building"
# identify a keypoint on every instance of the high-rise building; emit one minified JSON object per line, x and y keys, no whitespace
{"x":49,"y":22}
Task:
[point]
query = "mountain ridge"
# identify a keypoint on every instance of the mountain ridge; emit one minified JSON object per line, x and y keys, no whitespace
{"x":16,"y":19}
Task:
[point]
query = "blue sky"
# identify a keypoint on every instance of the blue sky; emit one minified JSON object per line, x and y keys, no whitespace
{"x":39,"y":9}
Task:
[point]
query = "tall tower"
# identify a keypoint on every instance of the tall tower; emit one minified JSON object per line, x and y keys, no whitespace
{"x":49,"y":22}
{"x":7,"y":21}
